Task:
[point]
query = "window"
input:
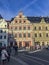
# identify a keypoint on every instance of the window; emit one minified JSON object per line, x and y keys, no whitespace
{"x":24,"y":21}
{"x":15,"y":21}
{"x":15,"y":35}
{"x":35,"y":34}
{"x":20,"y":21}
{"x":1,"y":31}
{"x":46,"y":34}
{"x":24,"y":28}
{"x":5,"y":37}
{"x":0,"y":44}
{"x":28,"y":34}
{"x":28,"y":27}
{"x":4,"y":31}
{"x":46,"y":28}
{"x":5,"y":25}
{"x":15,"y":28}
{"x":24,"y":35}
{"x":20,"y":28}
{"x":0,"y":37}
{"x":20,"y":35}
{"x":39,"y":28}
{"x":40,"y":35}
{"x":34,"y":28}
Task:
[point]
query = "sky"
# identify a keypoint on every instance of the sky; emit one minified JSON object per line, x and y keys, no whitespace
{"x":11,"y":8}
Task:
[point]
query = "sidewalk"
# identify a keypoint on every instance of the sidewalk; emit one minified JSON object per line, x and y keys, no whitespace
{"x":34,"y":51}
{"x":22,"y":50}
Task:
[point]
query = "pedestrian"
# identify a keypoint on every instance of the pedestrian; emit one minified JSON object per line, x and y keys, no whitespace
{"x":9,"y":52}
{"x":16,"y":49}
{"x":4,"y":55}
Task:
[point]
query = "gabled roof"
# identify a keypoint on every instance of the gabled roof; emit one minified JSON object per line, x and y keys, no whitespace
{"x":35,"y":19}
{"x":12,"y":19}
{"x":1,"y":17}
{"x":38,"y":19}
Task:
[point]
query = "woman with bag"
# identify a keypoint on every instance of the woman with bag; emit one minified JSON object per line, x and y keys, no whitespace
{"x":4,"y":55}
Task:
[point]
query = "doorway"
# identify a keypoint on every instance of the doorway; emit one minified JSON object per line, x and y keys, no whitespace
{"x":26,"y":44}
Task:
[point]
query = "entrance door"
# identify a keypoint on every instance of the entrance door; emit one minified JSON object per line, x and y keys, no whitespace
{"x":26,"y":44}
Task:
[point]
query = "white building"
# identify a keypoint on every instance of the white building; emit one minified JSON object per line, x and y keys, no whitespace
{"x":3,"y":32}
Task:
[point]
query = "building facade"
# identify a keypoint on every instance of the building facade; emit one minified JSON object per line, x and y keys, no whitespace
{"x":41,"y":31}
{"x":21,"y":28}
{"x":29,"y":31}
{"x":3,"y":32}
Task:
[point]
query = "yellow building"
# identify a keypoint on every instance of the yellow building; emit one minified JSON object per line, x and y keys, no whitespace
{"x":41,"y":31}
{"x":29,"y":31}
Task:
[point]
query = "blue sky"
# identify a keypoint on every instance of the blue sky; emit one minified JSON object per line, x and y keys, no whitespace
{"x":11,"y":8}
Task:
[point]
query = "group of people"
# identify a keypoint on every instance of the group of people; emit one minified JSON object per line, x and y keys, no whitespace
{"x":5,"y":53}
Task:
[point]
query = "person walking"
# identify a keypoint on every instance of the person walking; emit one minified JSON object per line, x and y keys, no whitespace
{"x":9,"y":52}
{"x":16,"y":49}
{"x":4,"y":55}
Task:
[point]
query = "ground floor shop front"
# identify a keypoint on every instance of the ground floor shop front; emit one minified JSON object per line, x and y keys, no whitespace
{"x":22,"y":43}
